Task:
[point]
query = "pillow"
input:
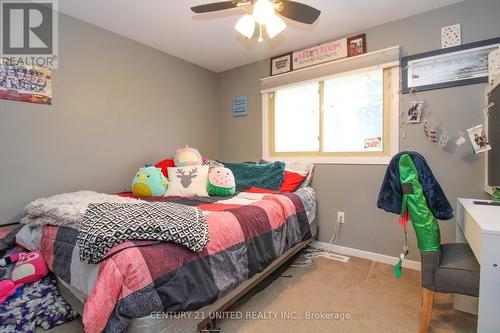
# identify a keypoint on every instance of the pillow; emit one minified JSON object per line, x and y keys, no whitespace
{"x":221,"y":182}
{"x":212,"y":164}
{"x":304,"y":169}
{"x":267,"y":176}
{"x":188,"y":181}
{"x":292,"y":181}
{"x":164,"y":165}
{"x":187,"y":156}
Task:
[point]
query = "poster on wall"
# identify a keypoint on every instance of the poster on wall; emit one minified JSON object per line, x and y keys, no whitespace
{"x":320,"y":54}
{"x":240,"y":106}
{"x":450,"y":67}
{"x":32,"y":84}
{"x":451,"y":36}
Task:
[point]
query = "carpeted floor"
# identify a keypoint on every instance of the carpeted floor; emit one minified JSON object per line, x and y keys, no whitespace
{"x":316,"y":298}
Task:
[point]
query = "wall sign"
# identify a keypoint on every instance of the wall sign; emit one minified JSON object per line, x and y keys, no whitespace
{"x":240,"y":106}
{"x":320,"y":54}
{"x":450,"y":67}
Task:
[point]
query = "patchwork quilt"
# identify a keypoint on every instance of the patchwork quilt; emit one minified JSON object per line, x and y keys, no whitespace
{"x":246,"y":234}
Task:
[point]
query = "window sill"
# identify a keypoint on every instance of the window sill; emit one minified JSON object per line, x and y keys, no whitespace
{"x":366,"y":160}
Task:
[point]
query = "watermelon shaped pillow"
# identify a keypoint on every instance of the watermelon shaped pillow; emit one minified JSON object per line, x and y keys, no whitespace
{"x":221,"y":182}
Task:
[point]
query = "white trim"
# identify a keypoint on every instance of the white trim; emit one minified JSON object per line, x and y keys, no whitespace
{"x":489,"y":88}
{"x":327,"y":77}
{"x":265,"y":126}
{"x":366,"y":160}
{"x":366,"y":55}
{"x":382,"y":258}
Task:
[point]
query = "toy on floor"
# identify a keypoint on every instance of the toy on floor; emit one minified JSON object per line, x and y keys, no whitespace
{"x":187,"y":157}
{"x":30,"y":267}
{"x":221,"y":182}
{"x":149,"y":181}
{"x":38,"y":304}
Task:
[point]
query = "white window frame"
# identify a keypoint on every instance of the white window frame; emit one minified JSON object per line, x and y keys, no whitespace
{"x":393,"y":123}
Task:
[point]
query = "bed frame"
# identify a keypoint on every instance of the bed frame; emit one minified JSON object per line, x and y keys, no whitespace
{"x":206,"y":321}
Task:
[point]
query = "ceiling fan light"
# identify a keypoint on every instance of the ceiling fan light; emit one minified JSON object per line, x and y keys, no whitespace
{"x":274,"y":26}
{"x":246,"y":26}
{"x":263,"y":10}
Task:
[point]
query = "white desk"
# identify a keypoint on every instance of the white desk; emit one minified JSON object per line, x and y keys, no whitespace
{"x":480,"y":226}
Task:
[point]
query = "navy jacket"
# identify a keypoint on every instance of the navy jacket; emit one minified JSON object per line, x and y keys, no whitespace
{"x":390,"y":196}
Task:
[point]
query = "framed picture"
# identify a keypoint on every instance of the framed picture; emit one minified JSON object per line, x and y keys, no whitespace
{"x":281,"y":64}
{"x":32,"y":84}
{"x":454,"y":66}
{"x":356,"y":45}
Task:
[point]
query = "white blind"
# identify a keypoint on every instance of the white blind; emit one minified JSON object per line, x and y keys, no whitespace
{"x":387,"y":57}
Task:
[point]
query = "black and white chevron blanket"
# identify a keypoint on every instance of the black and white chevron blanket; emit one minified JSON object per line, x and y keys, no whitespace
{"x":108,"y":224}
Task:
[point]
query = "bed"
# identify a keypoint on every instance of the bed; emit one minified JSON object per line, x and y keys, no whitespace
{"x":251,"y":235}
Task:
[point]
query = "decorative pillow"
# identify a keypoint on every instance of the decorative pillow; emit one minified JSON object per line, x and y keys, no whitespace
{"x":149,"y":182}
{"x":292,"y":181}
{"x":221,"y":182}
{"x":164,"y":165}
{"x":303,"y":169}
{"x":188,"y":181}
{"x":187,"y":156}
{"x":267,"y":176}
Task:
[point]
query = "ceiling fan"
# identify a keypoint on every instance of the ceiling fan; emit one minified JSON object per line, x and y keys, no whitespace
{"x":264,"y":13}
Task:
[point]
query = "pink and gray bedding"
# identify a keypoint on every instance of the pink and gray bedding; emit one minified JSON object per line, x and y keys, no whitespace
{"x":247,"y":232}
{"x":108,"y":224}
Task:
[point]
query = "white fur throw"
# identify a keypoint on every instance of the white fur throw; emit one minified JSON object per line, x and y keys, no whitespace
{"x":67,"y":209}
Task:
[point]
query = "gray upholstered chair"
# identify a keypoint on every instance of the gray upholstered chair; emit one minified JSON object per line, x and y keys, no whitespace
{"x":452,"y":270}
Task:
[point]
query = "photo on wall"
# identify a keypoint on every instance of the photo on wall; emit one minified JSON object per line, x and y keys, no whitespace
{"x":356,"y":45}
{"x":32,"y":84}
{"x":415,"y":110}
{"x":479,"y":139}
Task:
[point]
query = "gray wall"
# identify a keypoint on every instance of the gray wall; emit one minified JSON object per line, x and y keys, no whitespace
{"x":117,"y":105}
{"x":354,"y":188}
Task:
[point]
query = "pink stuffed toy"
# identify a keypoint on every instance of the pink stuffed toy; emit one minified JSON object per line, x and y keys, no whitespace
{"x":30,"y":267}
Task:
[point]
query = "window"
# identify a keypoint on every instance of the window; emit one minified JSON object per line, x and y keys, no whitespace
{"x":348,"y":118}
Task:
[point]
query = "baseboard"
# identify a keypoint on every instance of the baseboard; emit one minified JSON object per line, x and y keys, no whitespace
{"x":410,"y":264}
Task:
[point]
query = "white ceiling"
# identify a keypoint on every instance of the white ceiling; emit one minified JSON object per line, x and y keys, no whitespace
{"x":211,"y":41}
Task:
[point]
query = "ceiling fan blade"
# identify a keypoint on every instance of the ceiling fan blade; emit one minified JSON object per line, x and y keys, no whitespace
{"x":214,"y":6}
{"x":299,"y":12}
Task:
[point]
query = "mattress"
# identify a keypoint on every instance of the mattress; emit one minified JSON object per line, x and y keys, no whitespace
{"x":272,"y":224}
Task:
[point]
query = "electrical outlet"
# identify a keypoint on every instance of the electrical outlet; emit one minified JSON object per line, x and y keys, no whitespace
{"x":340,"y":217}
